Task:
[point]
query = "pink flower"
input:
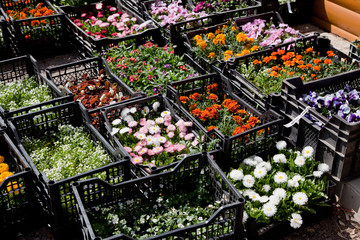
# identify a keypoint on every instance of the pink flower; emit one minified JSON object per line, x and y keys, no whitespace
{"x":170,"y":149}
{"x":171,"y":134}
{"x":113,"y":9}
{"x":100,"y":14}
{"x":137,"y":160}
{"x":150,"y":152}
{"x":133,"y":124}
{"x":128,"y":149}
{"x":188,"y":124}
{"x":142,"y":151}
{"x":142,"y":121}
{"x":195,"y":142}
{"x":171,"y":128}
{"x":167,"y":123}
{"x":79,"y":24}
{"x":167,"y":118}
{"x":182,"y":128}
{"x":104,"y":24}
{"x":162,"y":139}
{"x":83,"y":15}
{"x":180,"y":123}
{"x":144,"y":130}
{"x":167,"y":144}
{"x":158,"y":149}
{"x":159,"y":120}
{"x":99,"y":6}
{"x":132,"y":154}
{"x":189,"y":136}
{"x":137,"y":148}
{"x":142,"y":143}
{"x":150,"y":123}
{"x":133,"y":19}
{"x":182,"y":135}
{"x":180,"y":147}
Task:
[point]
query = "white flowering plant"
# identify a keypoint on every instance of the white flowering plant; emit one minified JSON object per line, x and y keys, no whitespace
{"x":283,"y":187}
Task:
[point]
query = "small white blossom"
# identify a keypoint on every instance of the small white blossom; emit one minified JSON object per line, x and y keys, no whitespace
{"x":124,"y":130}
{"x":300,"y":198}
{"x":128,"y":118}
{"x":266,"y":188}
{"x":245,"y":217}
{"x":280,"y":192}
{"x":279,"y":158}
{"x":258,"y":159}
{"x":114,"y":131}
{"x":145,"y":110}
{"x":116,"y":122}
{"x":280,"y":177}
{"x":281,"y":145}
{"x":156,"y":106}
{"x":293,"y":183}
{"x":323,"y":167}
{"x":125,"y":112}
{"x":164,"y":113}
{"x":248,"y":181}
{"x":269,"y":209}
{"x":307,"y":151}
{"x":274,"y":199}
{"x":298,"y":178}
{"x":296,"y":220}
{"x":237,"y":175}
{"x":317,"y":174}
{"x":264,"y":199}
{"x":250,"y":162}
{"x":133,"y":110}
{"x":299,"y":161}
{"x":260,"y":172}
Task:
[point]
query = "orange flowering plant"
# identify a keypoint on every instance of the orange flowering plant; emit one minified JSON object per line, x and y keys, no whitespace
{"x":4,"y":173}
{"x":232,"y":40}
{"x":268,"y":72}
{"x":216,"y":110}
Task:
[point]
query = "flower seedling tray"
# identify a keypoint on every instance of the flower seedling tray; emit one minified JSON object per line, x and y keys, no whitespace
{"x":354,"y":50}
{"x":235,"y":147}
{"x":18,"y":203}
{"x":58,"y":194}
{"x":114,"y":112}
{"x":89,"y":44}
{"x":239,"y":80}
{"x":224,"y":223}
{"x":336,"y":140}
{"x":20,"y":68}
{"x":218,"y":65}
{"x":36,"y":35}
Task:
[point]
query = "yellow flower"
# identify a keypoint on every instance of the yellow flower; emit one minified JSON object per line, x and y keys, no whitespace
{"x":13,"y":186}
{"x":218,"y":31}
{"x":250,"y":40}
{"x":202,"y":45}
{"x":1,"y":159}
{"x":4,"y":167}
{"x":245,"y":51}
{"x":254,"y":48}
{"x":241,"y":37}
{"x":219,"y":39}
{"x":234,"y":28}
{"x":228,"y":54}
{"x":210,"y":35}
{"x":212,"y":55}
{"x":5,"y":175}
{"x":197,"y":38}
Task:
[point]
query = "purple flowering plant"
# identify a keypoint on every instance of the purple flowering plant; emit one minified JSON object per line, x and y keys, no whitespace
{"x":220,"y":5}
{"x":344,"y":103}
{"x":107,"y":21}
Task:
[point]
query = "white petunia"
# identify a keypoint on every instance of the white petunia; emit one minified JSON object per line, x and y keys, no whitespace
{"x":114,"y":131}
{"x":279,"y":158}
{"x":124,"y":130}
{"x":260,"y":172}
{"x":281,"y":145}
{"x":280,"y":192}
{"x":248,"y":181}
{"x":299,"y":161}
{"x":266,"y":187}
{"x":269,"y":209}
{"x":323,"y":167}
{"x":300,"y":198}
{"x":317,"y":174}
{"x":307,"y":151}
{"x":245,"y":217}
{"x":296,"y":220}
{"x":116,"y":122}
{"x":293,"y":183}
{"x":280,"y":177}
{"x":237,"y":175}
{"x":156,"y":106}
{"x":264,"y":199}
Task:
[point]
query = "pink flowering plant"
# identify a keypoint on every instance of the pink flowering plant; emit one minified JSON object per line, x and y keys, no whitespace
{"x":152,"y":137}
{"x":221,"y":5}
{"x":106,"y":21}
{"x":174,"y":12}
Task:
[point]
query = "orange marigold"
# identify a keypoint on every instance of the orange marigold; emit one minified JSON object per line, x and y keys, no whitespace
{"x":210,"y":35}
{"x":213,"y":97}
{"x":184,"y":99}
{"x":316,"y":61}
{"x":195,"y":96}
{"x":327,"y":61}
{"x":211,"y":128}
{"x":255,"y":62}
{"x":330,"y":53}
{"x":237,"y":131}
{"x":317,"y":68}
{"x":238,"y":119}
{"x":212,"y":87}
{"x":309,"y":50}
{"x":241,"y":37}
{"x":212,"y":55}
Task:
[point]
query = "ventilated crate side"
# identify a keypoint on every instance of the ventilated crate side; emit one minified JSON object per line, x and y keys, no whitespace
{"x":354,"y":51}
{"x":224,"y":223}
{"x":59,"y":195}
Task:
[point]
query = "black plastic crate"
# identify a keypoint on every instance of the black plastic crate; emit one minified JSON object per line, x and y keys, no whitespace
{"x":18,"y":203}
{"x":19,"y":68}
{"x":225,"y":223}
{"x":39,"y":40}
{"x":354,"y":50}
{"x":75,"y":71}
{"x":336,"y":141}
{"x":58,"y":195}
{"x":7,"y":47}
{"x":319,"y":44}
{"x":236,"y":147}
{"x":253,"y":6}
{"x":113,"y":112}
{"x":88,"y":45}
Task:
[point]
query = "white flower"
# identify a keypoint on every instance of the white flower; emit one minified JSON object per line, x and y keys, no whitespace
{"x":280,"y":145}
{"x":149,"y":140}
{"x":162,"y":139}
{"x":280,"y":177}
{"x":300,"y":198}
{"x":245,"y":217}
{"x":154,"y":129}
{"x":317,"y":174}
{"x":258,"y":159}
{"x":299,"y":161}
{"x":140,"y":136}
{"x":279,"y":158}
{"x":266,"y":187}
{"x":248,"y":192}
{"x":298,"y":153}
{"x":133,"y":110}
{"x":159,"y":120}
{"x":248,"y":181}
{"x":307,"y":151}
{"x":254,"y":196}
{"x":114,"y":131}
{"x":124,"y":130}
{"x":181,"y":225}
{"x":237,"y":175}
{"x":116,"y":122}
{"x":125,"y":112}
{"x":274,"y":199}
{"x":280,"y":192}
{"x":260,"y":172}
{"x":266,"y":165}
{"x":323,"y":167}
{"x":128,"y":118}
{"x":156,"y":106}
{"x":164,"y":113}
{"x":264,"y":199}
{"x":145,"y":110}
{"x":250,"y":162}
{"x":293,"y":183}
{"x":269,"y":209}
{"x":298,"y":178}
{"x":296,"y":220}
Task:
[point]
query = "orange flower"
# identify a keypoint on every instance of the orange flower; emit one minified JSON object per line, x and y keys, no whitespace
{"x":219,"y":39}
{"x":237,"y":131}
{"x":210,"y":35}
{"x":317,"y":68}
{"x":212,"y":87}
{"x":195,"y":96}
{"x":316,"y":60}
{"x":210,"y":128}
{"x":302,"y":67}
{"x":242,"y":112}
{"x":193,"y":106}
{"x":313,"y":75}
{"x":253,"y":120}
{"x":212,"y":97}
{"x":196,"y":112}
{"x":266,"y":59}
{"x":231,"y":105}
{"x":291,"y":73}
{"x":212,"y":55}
{"x":327,"y":61}
{"x":238,"y":119}
{"x":285,"y":57}
{"x":216,"y":107}
{"x":309,"y":50}
{"x":241,"y":37}
{"x":274,"y":53}
{"x":281,"y":52}
{"x":202,"y":44}
{"x":275,"y":68}
{"x":254,"y":48}
{"x":246,"y":127}
{"x":289,"y":63}
{"x":198,"y":38}
{"x":184,"y":99}
{"x":255,"y":62}
{"x":330,"y":53}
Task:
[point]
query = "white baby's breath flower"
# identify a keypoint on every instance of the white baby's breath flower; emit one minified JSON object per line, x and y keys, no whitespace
{"x":296,"y":220}
{"x":156,"y":106}
{"x":236,"y":174}
{"x":280,"y":145}
{"x":279,"y":158}
{"x":116,"y":122}
{"x":280,"y":177}
{"x":317,"y":174}
{"x":300,"y":198}
{"x":269,"y":209}
{"x":248,"y":181}
{"x":260,"y":172}
{"x":307,"y":151}
{"x":323,"y":167}
{"x":299,"y":161}
{"x":280,"y":192}
{"x":114,"y":131}
{"x":266,"y":188}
